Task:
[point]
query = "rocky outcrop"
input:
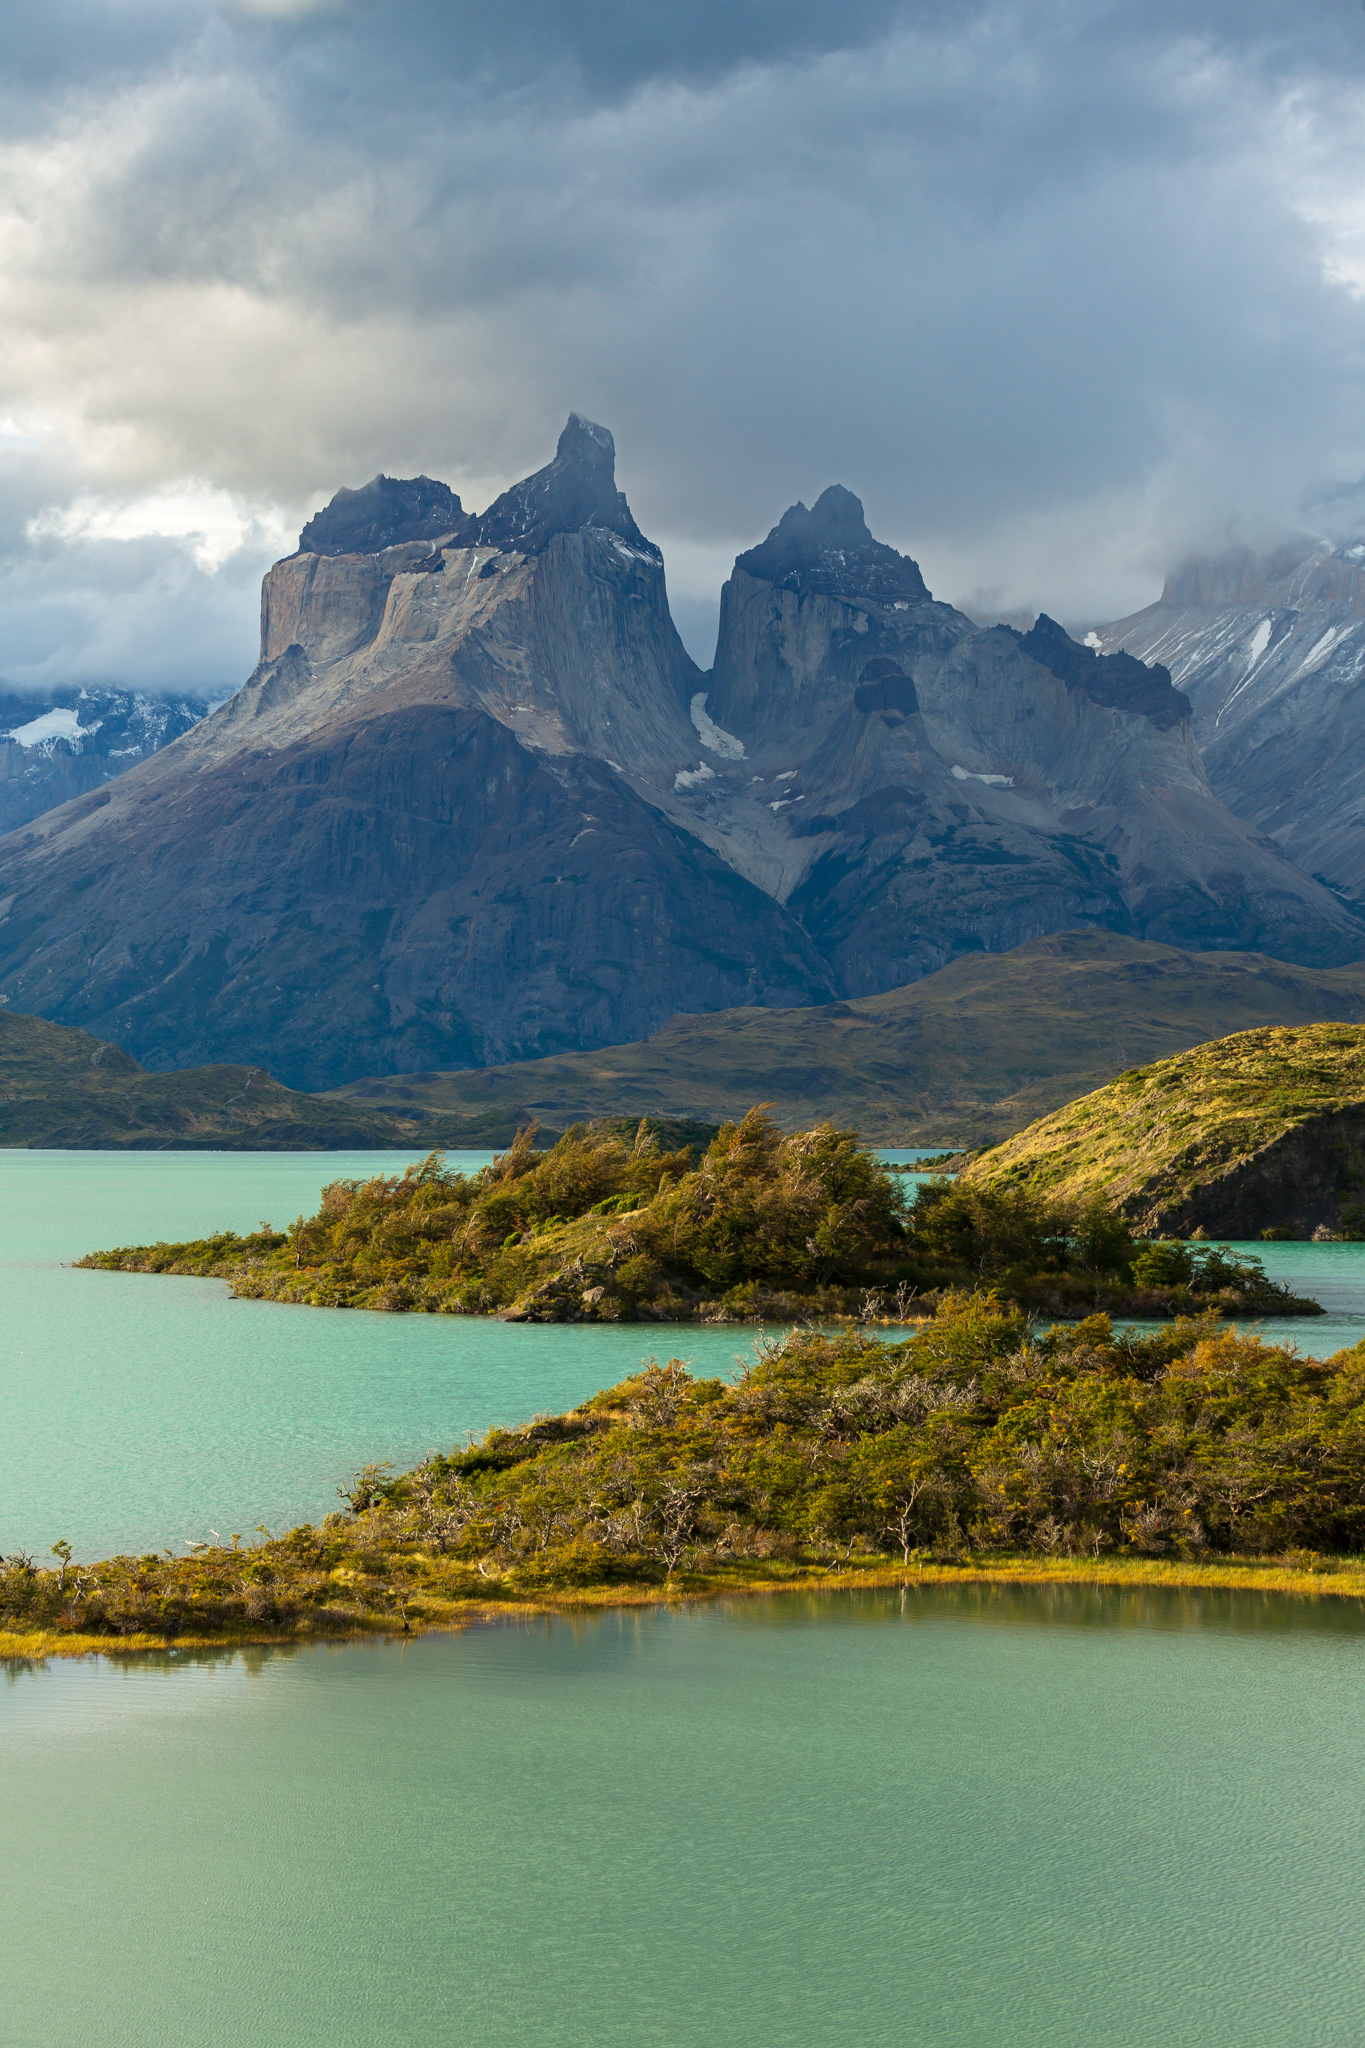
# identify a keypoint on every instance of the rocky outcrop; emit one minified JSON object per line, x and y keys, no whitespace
{"x":1270,"y":650}
{"x":383,"y":513}
{"x":477,"y":804}
{"x":1116,"y":680}
{"x":575,"y":491}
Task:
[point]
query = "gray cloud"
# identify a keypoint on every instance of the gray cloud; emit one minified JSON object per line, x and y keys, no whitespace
{"x":1060,"y":290}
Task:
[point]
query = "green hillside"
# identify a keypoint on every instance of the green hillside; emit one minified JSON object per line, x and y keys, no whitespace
{"x":1263,"y":1131}
{"x":966,"y":1056}
{"x":60,"y":1087}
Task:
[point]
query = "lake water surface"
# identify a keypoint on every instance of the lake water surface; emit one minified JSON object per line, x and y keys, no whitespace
{"x":141,"y":1409}
{"x":948,"y":1819}
{"x":936,"y":1818}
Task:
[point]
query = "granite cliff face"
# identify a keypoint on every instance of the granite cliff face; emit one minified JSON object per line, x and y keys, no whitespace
{"x":914,"y":787}
{"x":1270,"y":650}
{"x":477,"y":803}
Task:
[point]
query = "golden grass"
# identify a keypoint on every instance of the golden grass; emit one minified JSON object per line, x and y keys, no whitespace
{"x":1158,"y":1133}
{"x":1315,"y":1579}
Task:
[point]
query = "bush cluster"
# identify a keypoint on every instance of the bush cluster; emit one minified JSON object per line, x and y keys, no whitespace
{"x":972,"y":1437}
{"x":765,"y":1224}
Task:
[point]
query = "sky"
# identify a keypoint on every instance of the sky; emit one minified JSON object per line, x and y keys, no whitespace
{"x":1064,"y":291}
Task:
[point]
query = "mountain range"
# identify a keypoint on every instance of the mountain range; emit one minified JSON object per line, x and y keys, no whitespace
{"x":63,"y":742}
{"x":1269,"y":647}
{"x":477,"y":804}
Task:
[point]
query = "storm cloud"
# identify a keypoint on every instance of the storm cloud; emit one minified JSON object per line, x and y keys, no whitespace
{"x":1061,"y":290}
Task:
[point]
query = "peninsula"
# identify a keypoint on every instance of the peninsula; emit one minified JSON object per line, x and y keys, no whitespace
{"x":975,"y":1448}
{"x":756,"y":1225}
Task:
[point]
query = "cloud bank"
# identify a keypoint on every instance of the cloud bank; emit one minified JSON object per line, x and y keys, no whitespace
{"x":1062,"y":290}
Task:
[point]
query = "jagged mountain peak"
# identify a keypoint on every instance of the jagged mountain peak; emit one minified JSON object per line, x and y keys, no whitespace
{"x":1115,"y":680}
{"x":381,"y":514}
{"x":827,"y":550}
{"x":577,"y":489}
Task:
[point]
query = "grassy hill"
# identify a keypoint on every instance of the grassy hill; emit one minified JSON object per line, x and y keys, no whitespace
{"x":966,"y":1056}
{"x":1263,"y":1131}
{"x":65,"y":1088}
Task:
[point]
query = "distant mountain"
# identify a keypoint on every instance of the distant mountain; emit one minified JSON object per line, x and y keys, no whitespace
{"x":477,"y":804}
{"x":914,"y":787}
{"x":62,"y":743}
{"x":1270,"y":650}
{"x":969,"y":1055}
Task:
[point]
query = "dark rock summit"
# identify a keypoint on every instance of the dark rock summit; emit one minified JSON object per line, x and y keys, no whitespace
{"x":497,"y":812}
{"x":829,"y":551}
{"x":1113,"y":679}
{"x":382,"y":514}
{"x":576,"y":490}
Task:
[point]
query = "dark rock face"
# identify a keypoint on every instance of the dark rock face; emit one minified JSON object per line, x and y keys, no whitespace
{"x":1309,"y":1179}
{"x":576,"y":490}
{"x":828,"y":551}
{"x":71,"y":740}
{"x":1114,"y":679}
{"x":383,"y":513}
{"x":409,"y":891}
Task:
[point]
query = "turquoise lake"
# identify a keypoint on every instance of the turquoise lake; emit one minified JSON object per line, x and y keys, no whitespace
{"x":967,"y":1819}
{"x":930,"y":1818}
{"x":141,"y":1409}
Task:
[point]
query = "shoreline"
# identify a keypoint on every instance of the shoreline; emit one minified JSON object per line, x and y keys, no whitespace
{"x":1336,"y":1578}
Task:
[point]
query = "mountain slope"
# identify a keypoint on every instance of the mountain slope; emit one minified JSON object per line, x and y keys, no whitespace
{"x":1271,"y":652}
{"x":1264,"y":1130}
{"x":477,"y":804}
{"x":965,"y":1056}
{"x":60,"y":1087}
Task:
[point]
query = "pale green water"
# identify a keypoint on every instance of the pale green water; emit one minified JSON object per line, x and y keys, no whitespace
{"x":952,"y":1819}
{"x":140,"y":1408}
{"x":1007,"y":1820}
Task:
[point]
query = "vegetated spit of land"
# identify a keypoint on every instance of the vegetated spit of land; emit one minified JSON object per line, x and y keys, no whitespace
{"x":967,"y":1055}
{"x":974,"y":1446}
{"x":1259,"y":1134}
{"x":763,"y":1225}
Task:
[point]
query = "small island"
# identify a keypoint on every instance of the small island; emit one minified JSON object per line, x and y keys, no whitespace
{"x":973,"y":1449}
{"x":756,"y":1225}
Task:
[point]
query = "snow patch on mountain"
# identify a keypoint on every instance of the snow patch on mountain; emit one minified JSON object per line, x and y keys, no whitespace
{"x":713,"y":738}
